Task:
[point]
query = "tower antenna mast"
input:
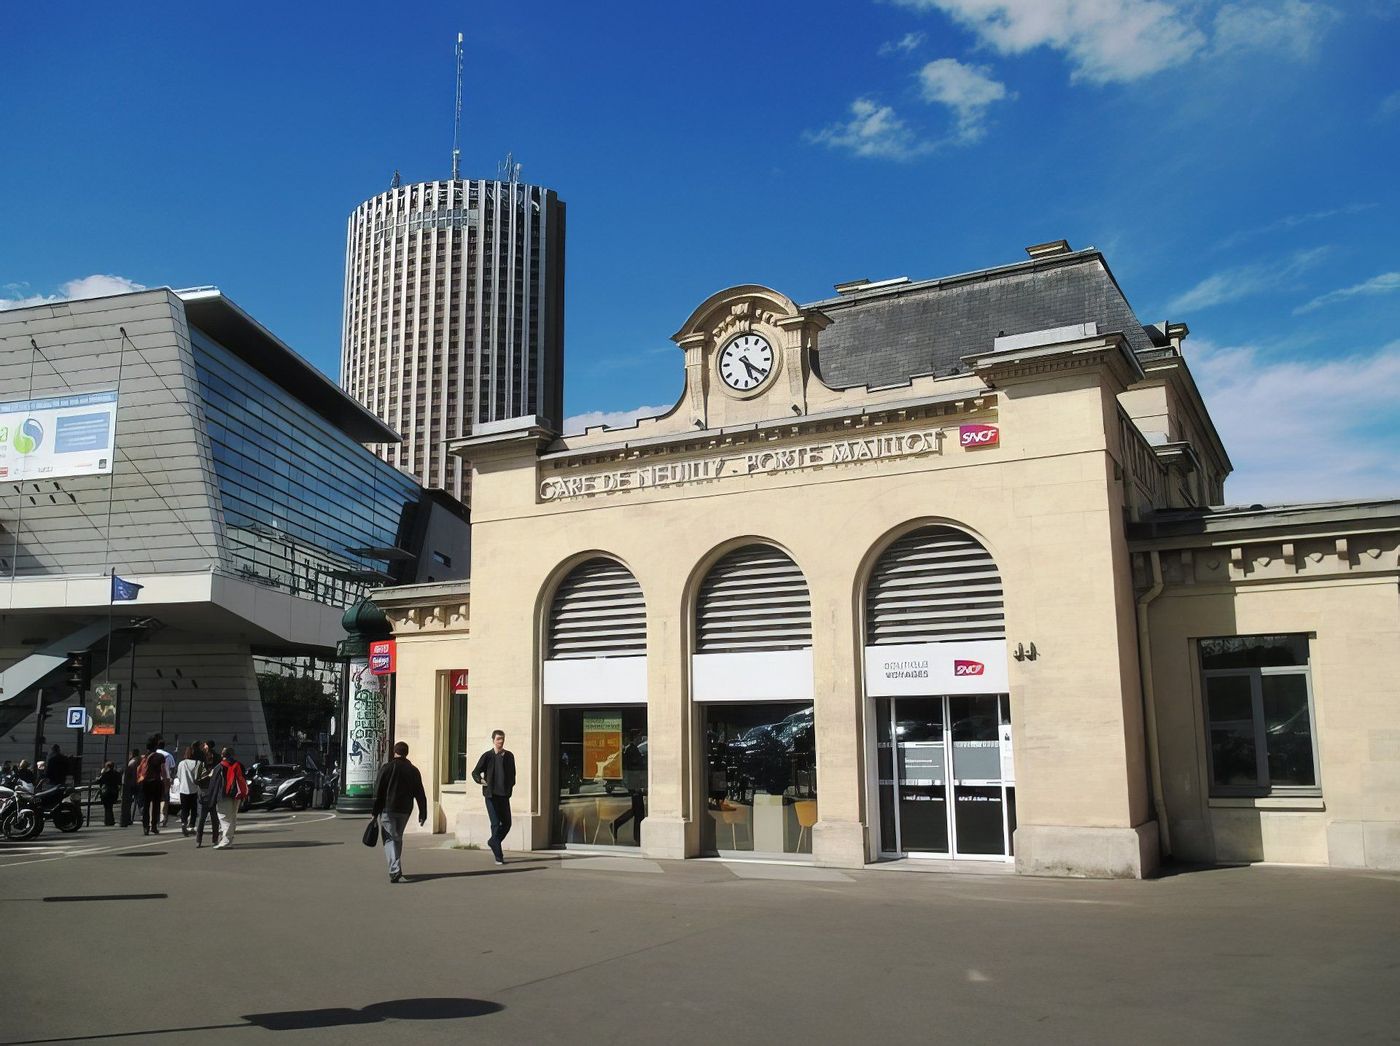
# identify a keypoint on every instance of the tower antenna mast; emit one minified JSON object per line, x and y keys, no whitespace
{"x":457,"y":120}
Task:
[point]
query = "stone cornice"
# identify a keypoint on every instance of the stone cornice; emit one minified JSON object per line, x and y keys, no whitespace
{"x":432,"y":607}
{"x":1037,"y":362}
{"x":972,"y":402}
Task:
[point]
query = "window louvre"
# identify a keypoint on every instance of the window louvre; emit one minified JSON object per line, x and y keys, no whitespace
{"x":936,"y":585}
{"x":755,"y":598}
{"x":598,"y":612}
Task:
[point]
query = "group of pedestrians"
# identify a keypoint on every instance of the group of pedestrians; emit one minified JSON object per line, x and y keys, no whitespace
{"x":399,"y":788}
{"x":211,"y":784}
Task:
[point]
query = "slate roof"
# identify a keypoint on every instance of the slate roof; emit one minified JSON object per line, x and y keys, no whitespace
{"x":889,"y":334}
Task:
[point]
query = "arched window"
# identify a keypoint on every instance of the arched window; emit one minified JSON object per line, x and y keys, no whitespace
{"x":598,"y":611}
{"x":935,"y":585}
{"x":753,"y":599}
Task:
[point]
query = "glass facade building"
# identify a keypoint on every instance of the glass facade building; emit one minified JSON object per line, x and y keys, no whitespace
{"x":299,"y":496}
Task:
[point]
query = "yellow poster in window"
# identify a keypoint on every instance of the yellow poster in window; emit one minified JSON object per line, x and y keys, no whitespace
{"x":602,"y":748}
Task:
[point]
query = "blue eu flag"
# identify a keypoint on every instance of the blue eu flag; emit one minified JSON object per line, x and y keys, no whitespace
{"x":124,"y":589}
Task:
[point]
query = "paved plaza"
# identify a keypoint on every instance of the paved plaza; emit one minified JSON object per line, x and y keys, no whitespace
{"x":295,"y":934}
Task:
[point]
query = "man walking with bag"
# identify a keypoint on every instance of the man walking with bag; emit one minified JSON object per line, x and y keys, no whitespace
{"x":495,"y":772}
{"x":397,"y":788}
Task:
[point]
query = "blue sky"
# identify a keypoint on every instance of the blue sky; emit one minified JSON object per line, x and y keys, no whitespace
{"x":1235,"y":161}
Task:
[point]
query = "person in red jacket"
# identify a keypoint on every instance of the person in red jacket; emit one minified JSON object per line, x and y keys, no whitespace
{"x":231,"y":787}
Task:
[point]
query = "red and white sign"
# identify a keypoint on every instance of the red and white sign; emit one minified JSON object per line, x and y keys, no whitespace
{"x":979,"y":435}
{"x":382,"y":657}
{"x":459,"y":681}
{"x":927,"y":669}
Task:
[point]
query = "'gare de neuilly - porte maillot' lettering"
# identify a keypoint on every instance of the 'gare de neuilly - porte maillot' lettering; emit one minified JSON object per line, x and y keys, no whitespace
{"x":744,"y":463}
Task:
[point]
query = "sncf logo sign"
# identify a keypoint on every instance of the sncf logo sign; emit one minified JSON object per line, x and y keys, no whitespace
{"x":968,"y":668}
{"x":979,"y":435}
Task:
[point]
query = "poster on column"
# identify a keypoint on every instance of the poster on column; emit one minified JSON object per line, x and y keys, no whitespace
{"x":367,"y":729}
{"x":602,"y":748}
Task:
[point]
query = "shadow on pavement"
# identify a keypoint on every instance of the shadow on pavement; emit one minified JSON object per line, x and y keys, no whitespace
{"x":395,"y":1010}
{"x":111,"y":897}
{"x":289,"y":844}
{"x":415,"y":878}
{"x":298,"y":1020}
{"x":143,"y":853}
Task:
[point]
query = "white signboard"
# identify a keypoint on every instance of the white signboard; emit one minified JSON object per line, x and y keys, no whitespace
{"x":1008,"y":764}
{"x":77,"y":717}
{"x":53,"y":438}
{"x":918,"y":669}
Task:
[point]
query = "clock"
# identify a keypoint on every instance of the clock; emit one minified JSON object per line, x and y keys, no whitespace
{"x":746,"y":362}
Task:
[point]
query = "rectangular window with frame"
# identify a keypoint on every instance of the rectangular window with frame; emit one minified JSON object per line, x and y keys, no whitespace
{"x":1259,"y":715}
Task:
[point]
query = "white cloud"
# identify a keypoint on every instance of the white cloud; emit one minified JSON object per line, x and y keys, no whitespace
{"x":1293,"y":27}
{"x":1284,"y":449}
{"x":1245,"y":281}
{"x":1385,"y":283}
{"x":1390,"y":106}
{"x":1106,"y":40}
{"x":905,"y":44}
{"x":611,"y":418}
{"x":1291,"y":221}
{"x":873,"y":130}
{"x":95,"y":286}
{"x":966,"y":89}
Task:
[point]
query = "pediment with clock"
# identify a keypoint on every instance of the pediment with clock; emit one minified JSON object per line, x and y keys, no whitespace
{"x":747,"y":357}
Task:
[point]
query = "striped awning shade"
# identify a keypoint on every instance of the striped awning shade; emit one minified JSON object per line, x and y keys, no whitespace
{"x":598,"y":612}
{"x":936,"y":585}
{"x":755,"y":598}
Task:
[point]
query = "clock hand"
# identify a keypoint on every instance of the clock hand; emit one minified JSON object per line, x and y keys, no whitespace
{"x":753,"y":372}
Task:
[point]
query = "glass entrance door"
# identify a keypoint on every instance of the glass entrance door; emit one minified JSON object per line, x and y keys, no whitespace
{"x":944,"y":773}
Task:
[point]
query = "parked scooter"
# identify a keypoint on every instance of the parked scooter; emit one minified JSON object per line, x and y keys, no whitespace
{"x":271,"y":785}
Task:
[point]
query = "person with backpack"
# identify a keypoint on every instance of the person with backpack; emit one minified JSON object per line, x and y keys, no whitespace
{"x":231,"y":791}
{"x":154,"y":779}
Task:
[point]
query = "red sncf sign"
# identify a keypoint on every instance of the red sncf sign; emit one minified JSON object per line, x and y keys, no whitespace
{"x":979,"y":435}
{"x":968,"y":668}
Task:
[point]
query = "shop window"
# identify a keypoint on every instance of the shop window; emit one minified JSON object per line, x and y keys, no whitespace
{"x":601,"y":758}
{"x":760,"y":778}
{"x":1259,"y":715}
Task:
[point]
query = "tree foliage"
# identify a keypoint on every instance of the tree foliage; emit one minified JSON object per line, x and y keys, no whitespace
{"x":294,"y":704}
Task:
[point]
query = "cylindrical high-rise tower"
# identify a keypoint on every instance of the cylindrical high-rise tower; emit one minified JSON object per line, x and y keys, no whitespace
{"x":454,"y":314}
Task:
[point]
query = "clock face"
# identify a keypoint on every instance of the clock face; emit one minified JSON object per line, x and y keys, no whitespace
{"x":746,"y":362}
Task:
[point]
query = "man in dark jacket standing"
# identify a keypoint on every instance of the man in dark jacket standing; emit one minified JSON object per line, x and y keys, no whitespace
{"x":398,"y":787}
{"x":495,"y":772}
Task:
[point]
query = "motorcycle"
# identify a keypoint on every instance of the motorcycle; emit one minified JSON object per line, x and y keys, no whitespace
{"x":21,"y":816}
{"x":59,"y":804}
{"x":274,"y":785}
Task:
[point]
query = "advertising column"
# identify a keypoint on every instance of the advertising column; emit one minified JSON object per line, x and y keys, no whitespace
{"x":367,"y":704}
{"x":366,"y":728}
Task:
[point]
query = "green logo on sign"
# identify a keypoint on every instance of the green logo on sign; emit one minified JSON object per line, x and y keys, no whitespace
{"x":29,"y":436}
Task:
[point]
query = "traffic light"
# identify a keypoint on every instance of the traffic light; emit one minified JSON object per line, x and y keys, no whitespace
{"x":79,"y":669}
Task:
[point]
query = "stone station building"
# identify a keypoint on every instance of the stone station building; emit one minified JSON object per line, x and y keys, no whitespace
{"x":926,"y":571}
